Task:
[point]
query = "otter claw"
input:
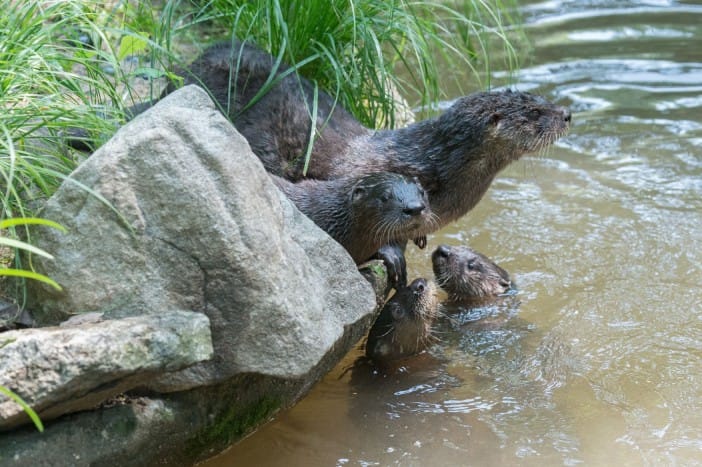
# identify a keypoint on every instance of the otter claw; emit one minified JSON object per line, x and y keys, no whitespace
{"x":421,"y":242}
{"x":393,"y":256}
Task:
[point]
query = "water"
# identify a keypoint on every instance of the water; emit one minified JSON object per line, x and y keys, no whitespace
{"x":600,"y":362}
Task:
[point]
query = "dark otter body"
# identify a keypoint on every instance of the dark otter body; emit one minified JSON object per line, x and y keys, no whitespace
{"x":467,"y":275}
{"x":455,"y":156}
{"x":363,"y":213}
{"x":404,"y":325}
{"x":278,"y":123}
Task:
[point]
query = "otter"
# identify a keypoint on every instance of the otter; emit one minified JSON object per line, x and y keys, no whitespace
{"x":365,"y":212}
{"x":455,"y":156}
{"x":404,"y":326}
{"x":467,"y":275}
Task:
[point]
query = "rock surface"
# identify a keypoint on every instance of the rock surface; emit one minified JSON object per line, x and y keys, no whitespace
{"x":200,"y":228}
{"x":66,"y":369}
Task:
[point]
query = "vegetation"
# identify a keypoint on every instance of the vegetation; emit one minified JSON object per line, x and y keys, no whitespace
{"x":6,"y":225}
{"x":365,"y":48}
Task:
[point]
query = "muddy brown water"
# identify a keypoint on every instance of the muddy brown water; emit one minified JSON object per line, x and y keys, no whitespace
{"x":598,"y":361}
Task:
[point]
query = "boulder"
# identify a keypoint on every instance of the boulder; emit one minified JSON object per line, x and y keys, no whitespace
{"x":60,"y":370}
{"x":182,"y":216}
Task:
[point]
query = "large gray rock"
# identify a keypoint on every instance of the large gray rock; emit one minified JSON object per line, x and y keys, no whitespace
{"x":60,"y":370}
{"x":197,"y":225}
{"x":209,"y":233}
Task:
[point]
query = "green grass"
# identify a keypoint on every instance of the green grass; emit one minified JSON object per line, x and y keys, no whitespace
{"x":359,"y":50}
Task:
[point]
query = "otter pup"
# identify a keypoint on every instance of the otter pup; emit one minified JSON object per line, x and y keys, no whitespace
{"x":404,"y":325}
{"x":455,"y":156}
{"x":365,"y":212}
{"x":467,"y":275}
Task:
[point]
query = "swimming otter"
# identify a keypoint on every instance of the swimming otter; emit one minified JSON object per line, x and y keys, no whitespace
{"x":467,"y":275}
{"x":404,"y":325}
{"x":365,"y":212}
{"x":455,"y":156}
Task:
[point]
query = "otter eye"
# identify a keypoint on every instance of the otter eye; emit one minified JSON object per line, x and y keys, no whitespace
{"x":385,"y":196}
{"x":397,"y":313}
{"x":358,"y":193}
{"x":534,"y":114}
{"x":471,"y":265}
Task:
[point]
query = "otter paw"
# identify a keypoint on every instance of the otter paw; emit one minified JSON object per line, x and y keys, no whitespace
{"x":393,"y":256}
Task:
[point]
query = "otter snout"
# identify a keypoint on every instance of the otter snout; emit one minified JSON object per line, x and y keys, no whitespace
{"x":414,"y":209}
{"x":418,"y":286}
{"x":442,"y":251}
{"x":566,"y":114}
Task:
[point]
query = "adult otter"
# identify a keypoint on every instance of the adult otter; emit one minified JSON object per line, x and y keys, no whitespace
{"x":455,"y":156}
{"x":365,"y":212}
{"x":467,"y":275}
{"x":404,"y":325}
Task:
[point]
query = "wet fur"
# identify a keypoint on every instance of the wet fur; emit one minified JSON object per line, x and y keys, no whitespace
{"x":455,"y":156}
{"x":467,"y":275}
{"x":404,"y":326}
{"x":364,"y":212}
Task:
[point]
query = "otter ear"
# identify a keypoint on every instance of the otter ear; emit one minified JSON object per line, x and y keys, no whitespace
{"x":494,"y":118}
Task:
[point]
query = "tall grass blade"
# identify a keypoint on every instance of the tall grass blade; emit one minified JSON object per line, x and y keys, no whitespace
{"x":28,"y":410}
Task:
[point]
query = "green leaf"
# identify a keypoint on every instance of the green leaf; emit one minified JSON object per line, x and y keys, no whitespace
{"x":32,"y":414}
{"x":30,"y":275}
{"x":12,"y":243}
{"x":132,"y":45}
{"x":30,"y":220}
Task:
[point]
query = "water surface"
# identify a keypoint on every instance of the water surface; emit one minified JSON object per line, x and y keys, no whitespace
{"x":600,"y":362}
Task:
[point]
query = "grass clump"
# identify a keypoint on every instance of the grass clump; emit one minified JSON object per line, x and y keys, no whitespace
{"x":361,"y":51}
{"x":48,"y":82}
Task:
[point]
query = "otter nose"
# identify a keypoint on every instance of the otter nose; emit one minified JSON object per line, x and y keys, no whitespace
{"x":414,"y":209}
{"x":442,"y":250}
{"x":418,"y":285}
{"x":566,"y":114}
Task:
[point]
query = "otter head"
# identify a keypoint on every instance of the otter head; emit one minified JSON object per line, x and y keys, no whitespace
{"x":416,"y":302}
{"x":404,"y":325}
{"x":392,"y":207}
{"x":512,"y":123}
{"x":468,"y":275}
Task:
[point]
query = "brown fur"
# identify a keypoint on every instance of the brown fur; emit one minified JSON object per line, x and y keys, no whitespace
{"x":364,"y":212}
{"x":467,"y":275}
{"x":455,"y":156}
{"x":404,"y":325}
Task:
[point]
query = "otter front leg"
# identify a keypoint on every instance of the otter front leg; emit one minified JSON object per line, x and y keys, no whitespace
{"x":393,"y":255}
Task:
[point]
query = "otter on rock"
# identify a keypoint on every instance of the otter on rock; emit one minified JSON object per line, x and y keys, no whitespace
{"x":455,"y":156}
{"x":404,"y":325}
{"x":363,"y":213}
{"x":467,"y":275}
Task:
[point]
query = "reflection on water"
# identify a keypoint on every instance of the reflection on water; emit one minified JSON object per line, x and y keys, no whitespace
{"x":599,"y":359}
